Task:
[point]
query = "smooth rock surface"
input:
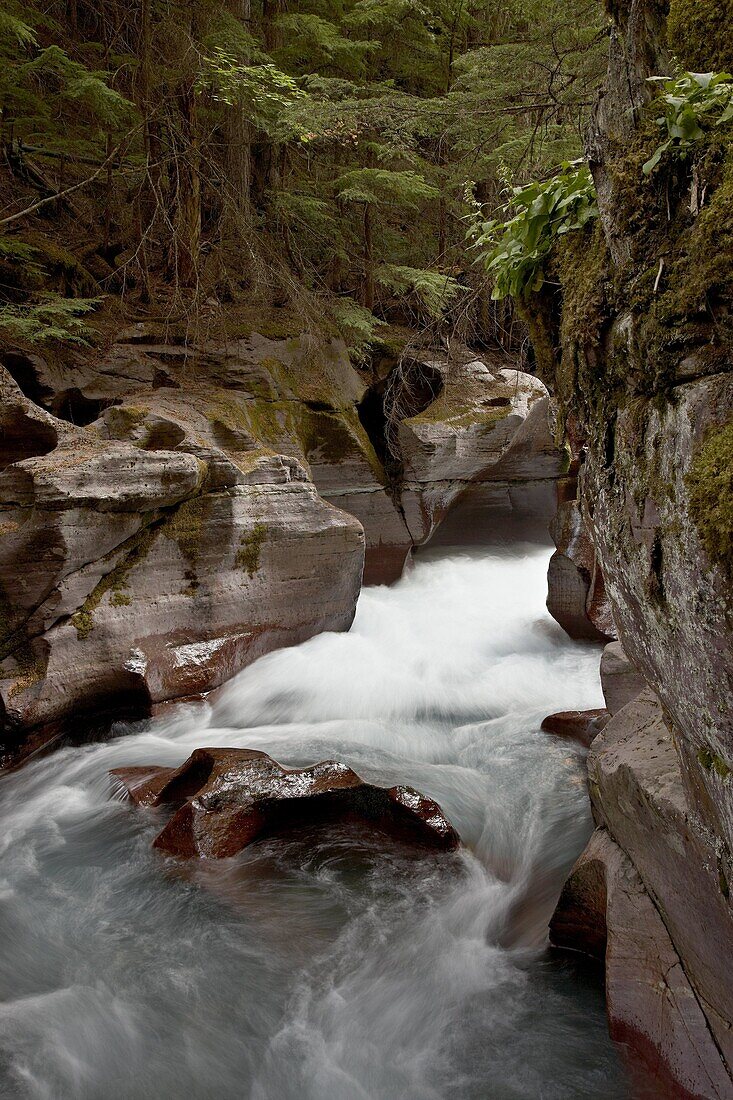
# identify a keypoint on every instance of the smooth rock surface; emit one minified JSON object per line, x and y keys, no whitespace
{"x":639,"y":795}
{"x":605,"y":911}
{"x":620,"y":681}
{"x":232,"y":797}
{"x":576,"y":594}
{"x":141,"y":561}
{"x":576,"y":725}
{"x":486,"y":437}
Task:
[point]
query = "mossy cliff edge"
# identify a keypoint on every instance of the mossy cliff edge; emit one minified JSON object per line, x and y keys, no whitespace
{"x":634,"y":334}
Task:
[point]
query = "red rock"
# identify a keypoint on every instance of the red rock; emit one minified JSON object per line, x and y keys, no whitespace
{"x":228,"y":798}
{"x":605,"y":911}
{"x":576,"y":725}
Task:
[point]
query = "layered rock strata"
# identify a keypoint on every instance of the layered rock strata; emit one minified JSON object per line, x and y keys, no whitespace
{"x":485,"y":443}
{"x":172,"y":511}
{"x":132,"y":574}
{"x":645,"y":366}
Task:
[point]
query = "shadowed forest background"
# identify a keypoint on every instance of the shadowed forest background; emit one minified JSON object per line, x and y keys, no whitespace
{"x":312,"y":162}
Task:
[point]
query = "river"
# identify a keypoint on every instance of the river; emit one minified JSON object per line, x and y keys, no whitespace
{"x":328,"y":965}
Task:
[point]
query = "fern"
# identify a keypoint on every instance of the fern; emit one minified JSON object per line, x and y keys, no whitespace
{"x":434,"y":291}
{"x":356,"y":324}
{"x":18,"y":251}
{"x":52,"y":318}
{"x":14,"y":32}
{"x":380,"y":186}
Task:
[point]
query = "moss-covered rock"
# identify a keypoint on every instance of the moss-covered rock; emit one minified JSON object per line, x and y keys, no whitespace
{"x":700,"y":34}
{"x":710,"y":483}
{"x":248,"y":554}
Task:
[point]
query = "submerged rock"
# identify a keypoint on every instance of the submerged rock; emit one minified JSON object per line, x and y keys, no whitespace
{"x":230,"y":797}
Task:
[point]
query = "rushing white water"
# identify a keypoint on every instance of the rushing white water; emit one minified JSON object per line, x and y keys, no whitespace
{"x":325,"y":966}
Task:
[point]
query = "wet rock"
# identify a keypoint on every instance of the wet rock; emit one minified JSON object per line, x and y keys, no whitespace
{"x":640,"y":797}
{"x":656,"y":495}
{"x":576,"y":725}
{"x":619,"y":679}
{"x":230,"y":797}
{"x":605,"y":911}
{"x":576,"y":594}
{"x":189,"y":523}
{"x":131,"y":574}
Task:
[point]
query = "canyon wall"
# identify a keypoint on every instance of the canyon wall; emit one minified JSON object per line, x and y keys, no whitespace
{"x":641,"y":364}
{"x":170,"y":511}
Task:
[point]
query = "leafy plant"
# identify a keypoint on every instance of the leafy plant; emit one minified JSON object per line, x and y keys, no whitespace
{"x":513,"y":249}
{"x":691,"y":102}
{"x":375,"y":186}
{"x":51,"y":318}
{"x":262,"y":90}
{"x":21,"y":255}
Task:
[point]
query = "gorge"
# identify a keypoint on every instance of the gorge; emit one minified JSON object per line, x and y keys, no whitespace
{"x":361,"y":521}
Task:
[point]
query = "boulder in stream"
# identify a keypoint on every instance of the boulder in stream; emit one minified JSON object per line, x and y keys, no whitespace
{"x":576,"y":725}
{"x":227,"y":798}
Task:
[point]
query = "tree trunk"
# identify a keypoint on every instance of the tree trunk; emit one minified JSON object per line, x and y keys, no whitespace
{"x":238,"y":137}
{"x":186,"y":243}
{"x":368,"y":292}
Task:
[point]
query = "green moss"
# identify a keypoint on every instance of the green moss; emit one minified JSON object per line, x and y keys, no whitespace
{"x":325,"y":434}
{"x":64,"y":271}
{"x":9,"y":622}
{"x":186,"y":527}
{"x":122,"y":420}
{"x":229,"y":413}
{"x":275,"y":325}
{"x":134,"y":550}
{"x":721,"y":768}
{"x":309,"y":374}
{"x":268,"y":420}
{"x":120,"y":599}
{"x":31,"y":670}
{"x":700,"y":34}
{"x":712,"y":760}
{"x":248,"y":555}
{"x":583,"y":264}
{"x":262,"y":420}
{"x":541,"y":313}
{"x":710,"y":484}
{"x":465,"y":402}
{"x":83,"y":621}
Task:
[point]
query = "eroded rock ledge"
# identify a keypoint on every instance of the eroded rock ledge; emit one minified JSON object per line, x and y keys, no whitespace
{"x":170,"y":511}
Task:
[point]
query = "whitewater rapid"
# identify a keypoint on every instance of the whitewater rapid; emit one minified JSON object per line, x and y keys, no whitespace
{"x":326,"y":966}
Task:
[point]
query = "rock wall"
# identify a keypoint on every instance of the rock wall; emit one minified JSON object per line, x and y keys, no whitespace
{"x":642,"y":358}
{"x":172,"y":511}
{"x":137,"y":572}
